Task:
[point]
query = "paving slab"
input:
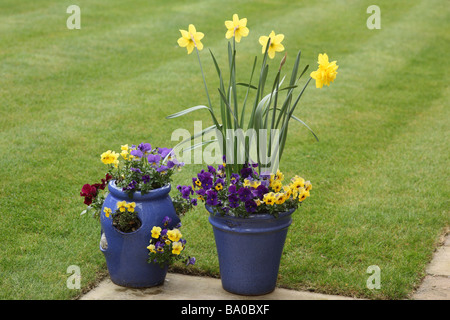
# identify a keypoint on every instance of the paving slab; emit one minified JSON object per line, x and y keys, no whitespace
{"x":185,"y":287}
{"x":436,"y":284}
{"x":433,"y":288}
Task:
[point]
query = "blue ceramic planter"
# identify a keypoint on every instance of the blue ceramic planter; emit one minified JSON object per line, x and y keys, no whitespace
{"x":126,"y":253}
{"x":249,"y":250}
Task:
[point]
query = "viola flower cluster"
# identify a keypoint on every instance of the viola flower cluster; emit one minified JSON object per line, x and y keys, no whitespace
{"x":247,"y":192}
{"x":166,"y":245}
{"x":142,"y":167}
{"x":94,"y":195}
{"x":125,"y":218}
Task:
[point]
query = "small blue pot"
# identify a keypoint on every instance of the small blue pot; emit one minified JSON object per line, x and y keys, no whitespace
{"x":249,"y":250}
{"x":126,"y":253}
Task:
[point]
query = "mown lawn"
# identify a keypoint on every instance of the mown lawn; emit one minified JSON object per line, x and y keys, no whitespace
{"x":379,"y":173}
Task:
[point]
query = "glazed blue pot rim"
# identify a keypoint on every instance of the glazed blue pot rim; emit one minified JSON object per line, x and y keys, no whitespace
{"x":257,"y":216}
{"x":152,"y":194}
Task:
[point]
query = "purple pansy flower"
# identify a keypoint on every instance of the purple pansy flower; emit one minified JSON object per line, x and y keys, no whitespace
{"x":145,"y":147}
{"x":234,"y":200}
{"x":136,"y":170}
{"x":234,"y":178}
{"x":260,"y":191}
{"x":245,"y":194}
{"x":211,"y":169}
{"x":250,"y":206}
{"x":186,"y":191}
{"x":191,"y":261}
{"x":211,"y":198}
{"x":130,"y":186}
{"x":166,"y":221}
{"x":162,"y":169}
{"x":154,"y":159}
{"x":246,"y":172}
{"x":164,"y":151}
{"x":136,"y":153}
{"x":232,"y":189}
{"x":146,"y":179}
{"x":170,"y":164}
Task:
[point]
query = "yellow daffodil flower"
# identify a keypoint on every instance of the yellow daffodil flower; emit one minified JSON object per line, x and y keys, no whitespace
{"x":191,"y":39}
{"x":237,"y":28}
{"x":326,"y":72}
{"x":274,"y":45}
{"x":122,"y":206}
{"x":174,"y":235}
{"x":156,"y":231}
{"x":107,"y":212}
{"x":177,"y":247}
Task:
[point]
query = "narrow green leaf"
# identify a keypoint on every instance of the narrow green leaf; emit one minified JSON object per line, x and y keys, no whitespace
{"x":186,"y":111}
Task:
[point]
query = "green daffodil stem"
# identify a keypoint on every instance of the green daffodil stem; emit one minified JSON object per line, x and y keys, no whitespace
{"x":204,"y":80}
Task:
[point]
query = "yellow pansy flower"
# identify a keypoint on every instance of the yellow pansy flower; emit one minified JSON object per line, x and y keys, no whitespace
{"x":269,"y":198}
{"x":107,"y":212}
{"x":237,"y":28}
{"x":308,"y":185}
{"x":122,"y":206}
{"x":177,"y":247}
{"x":151,"y":248}
{"x":302,"y":194}
{"x":287,"y":191}
{"x":219,"y":187}
{"x":130,"y":206}
{"x":124,"y":147}
{"x":174,"y":235}
{"x":198,"y":183}
{"x":109,"y":157}
{"x":156,"y":231}
{"x":297,"y":183}
{"x":279,"y":175}
{"x":191,"y":39}
{"x":280,"y":198}
{"x":124,"y":154}
{"x":274,"y":45}
{"x":277,"y":185}
{"x":326,"y":72}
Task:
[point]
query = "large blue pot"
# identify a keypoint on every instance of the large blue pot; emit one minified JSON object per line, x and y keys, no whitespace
{"x":249,"y":250}
{"x":126,"y":253}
